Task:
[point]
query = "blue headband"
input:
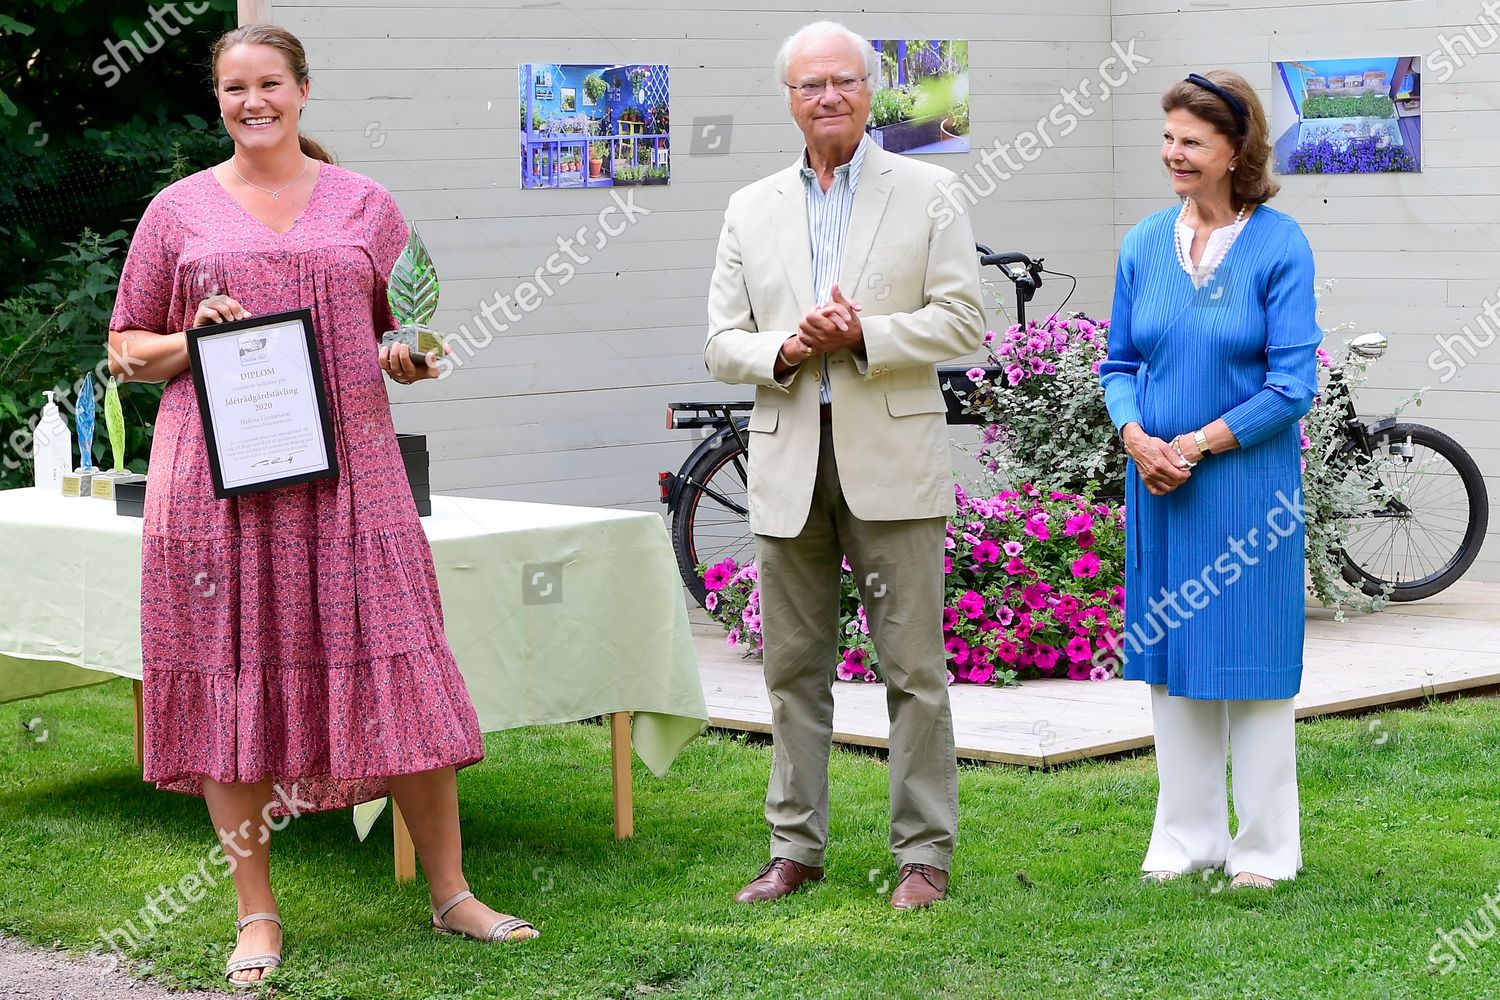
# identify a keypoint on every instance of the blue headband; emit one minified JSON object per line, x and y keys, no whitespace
{"x":1236,"y":106}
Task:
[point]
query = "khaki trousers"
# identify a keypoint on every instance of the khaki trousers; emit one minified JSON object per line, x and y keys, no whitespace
{"x":899,"y":566}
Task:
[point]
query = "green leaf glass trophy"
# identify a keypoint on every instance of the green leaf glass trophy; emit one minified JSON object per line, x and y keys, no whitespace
{"x":412,"y":292}
{"x":114,"y":423}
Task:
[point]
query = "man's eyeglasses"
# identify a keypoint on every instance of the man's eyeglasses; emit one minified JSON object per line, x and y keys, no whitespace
{"x":843,"y":84}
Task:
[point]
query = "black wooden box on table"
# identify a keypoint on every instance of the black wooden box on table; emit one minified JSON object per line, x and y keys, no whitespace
{"x":130,"y":498}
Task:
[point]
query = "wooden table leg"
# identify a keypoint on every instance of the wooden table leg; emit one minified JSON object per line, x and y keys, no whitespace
{"x":139,"y":713}
{"x":620,"y":751}
{"x":406,"y":853}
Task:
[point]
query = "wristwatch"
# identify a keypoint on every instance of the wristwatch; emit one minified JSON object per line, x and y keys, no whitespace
{"x":1201,"y":440}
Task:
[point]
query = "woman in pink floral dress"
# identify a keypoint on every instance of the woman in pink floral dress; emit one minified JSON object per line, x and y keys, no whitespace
{"x":292,"y":639}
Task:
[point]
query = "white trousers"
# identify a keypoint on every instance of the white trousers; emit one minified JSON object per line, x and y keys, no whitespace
{"x":1193,"y":738}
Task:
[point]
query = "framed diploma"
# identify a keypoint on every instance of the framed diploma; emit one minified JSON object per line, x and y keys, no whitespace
{"x":260,"y":394}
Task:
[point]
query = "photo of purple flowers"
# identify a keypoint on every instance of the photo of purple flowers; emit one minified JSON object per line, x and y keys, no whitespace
{"x":1347,"y":116}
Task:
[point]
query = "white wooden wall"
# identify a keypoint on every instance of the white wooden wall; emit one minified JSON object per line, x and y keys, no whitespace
{"x":1415,"y":255}
{"x":568,"y":405}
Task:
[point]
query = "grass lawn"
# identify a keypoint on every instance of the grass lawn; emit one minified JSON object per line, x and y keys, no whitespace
{"x":1401,"y":827}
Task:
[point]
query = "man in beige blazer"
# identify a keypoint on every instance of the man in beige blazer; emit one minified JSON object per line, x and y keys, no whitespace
{"x":836,"y":294}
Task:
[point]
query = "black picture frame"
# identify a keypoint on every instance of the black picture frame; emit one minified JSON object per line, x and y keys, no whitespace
{"x":195,"y":339}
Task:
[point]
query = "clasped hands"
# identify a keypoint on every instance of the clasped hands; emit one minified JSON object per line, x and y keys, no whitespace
{"x":833,"y":326}
{"x":1161,"y":467}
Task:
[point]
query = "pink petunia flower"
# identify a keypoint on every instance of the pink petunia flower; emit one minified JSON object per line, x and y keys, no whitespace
{"x":1036,"y":526}
{"x":1014,"y":548}
{"x":1044,"y":656}
{"x":711,"y":602}
{"x":987,"y":552}
{"x":1100,"y":673}
{"x":733,"y":638}
{"x":718,"y":575}
{"x":1015,"y":566}
{"x":958,"y":649}
{"x":1007,"y":651}
{"x":972,"y":604}
{"x":980,"y":673}
{"x":1079,"y":648}
{"x":950,"y":618}
{"x":975,"y":374}
{"x":1086,"y":565}
{"x":1079,"y":522}
{"x":947,"y":565}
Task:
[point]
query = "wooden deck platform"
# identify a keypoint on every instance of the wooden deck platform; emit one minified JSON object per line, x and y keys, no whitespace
{"x":1444,"y":644}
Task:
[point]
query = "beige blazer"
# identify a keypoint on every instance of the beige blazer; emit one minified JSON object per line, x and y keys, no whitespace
{"x":918,"y":283}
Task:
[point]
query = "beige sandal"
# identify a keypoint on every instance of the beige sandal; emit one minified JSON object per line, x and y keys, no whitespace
{"x":265,"y":963}
{"x":501,"y":930}
{"x":1250,"y":880}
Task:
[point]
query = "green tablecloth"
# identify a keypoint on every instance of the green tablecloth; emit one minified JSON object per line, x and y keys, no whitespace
{"x":610,"y":636}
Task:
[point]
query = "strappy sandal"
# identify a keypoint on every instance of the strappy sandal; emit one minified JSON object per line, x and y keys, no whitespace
{"x":265,"y":963}
{"x":501,"y":930}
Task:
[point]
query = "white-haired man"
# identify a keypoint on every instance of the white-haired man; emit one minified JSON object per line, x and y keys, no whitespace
{"x":836,"y":295}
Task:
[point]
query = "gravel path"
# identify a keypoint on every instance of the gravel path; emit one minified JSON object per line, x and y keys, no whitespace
{"x":28,"y":973}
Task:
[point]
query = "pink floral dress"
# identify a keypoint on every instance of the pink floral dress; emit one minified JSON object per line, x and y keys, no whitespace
{"x":294,"y":634}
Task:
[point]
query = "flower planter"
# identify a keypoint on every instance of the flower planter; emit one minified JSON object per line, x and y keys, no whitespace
{"x":901,"y":136}
{"x":948,"y":132}
{"x":596,"y":167}
{"x":653,"y":180}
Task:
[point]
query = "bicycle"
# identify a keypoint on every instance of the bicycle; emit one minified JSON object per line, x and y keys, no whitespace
{"x":1434,"y":498}
{"x":1431,"y":524}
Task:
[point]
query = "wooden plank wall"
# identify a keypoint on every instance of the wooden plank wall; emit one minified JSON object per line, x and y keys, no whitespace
{"x":567,"y":404}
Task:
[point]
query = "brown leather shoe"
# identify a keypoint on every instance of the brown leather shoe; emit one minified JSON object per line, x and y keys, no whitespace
{"x":919,"y":886}
{"x":781,"y":877}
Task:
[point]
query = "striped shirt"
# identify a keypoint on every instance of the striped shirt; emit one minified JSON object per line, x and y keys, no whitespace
{"x":827,"y":225}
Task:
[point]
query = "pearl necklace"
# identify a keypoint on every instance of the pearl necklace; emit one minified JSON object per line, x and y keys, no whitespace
{"x":1206,"y":268}
{"x":275,"y":195}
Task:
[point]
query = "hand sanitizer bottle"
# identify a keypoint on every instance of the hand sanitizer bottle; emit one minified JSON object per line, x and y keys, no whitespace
{"x":52,"y":447}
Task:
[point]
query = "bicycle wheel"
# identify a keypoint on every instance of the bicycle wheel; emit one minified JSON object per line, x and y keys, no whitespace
{"x":712,"y":520}
{"x":1431,"y":528}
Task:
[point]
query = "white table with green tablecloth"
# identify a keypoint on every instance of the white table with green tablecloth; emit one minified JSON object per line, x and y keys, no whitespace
{"x":554,"y":613}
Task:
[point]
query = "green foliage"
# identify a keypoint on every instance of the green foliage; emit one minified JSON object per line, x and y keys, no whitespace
{"x":1367,"y":105}
{"x":50,"y":335}
{"x":959,"y":118}
{"x":889,"y":106}
{"x":594,"y":87}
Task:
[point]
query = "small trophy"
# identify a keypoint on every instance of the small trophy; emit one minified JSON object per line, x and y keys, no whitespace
{"x":114,"y":423}
{"x":412,"y":292}
{"x":80,"y":482}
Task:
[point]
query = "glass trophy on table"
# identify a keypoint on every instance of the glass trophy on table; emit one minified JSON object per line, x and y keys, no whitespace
{"x":80,"y":482}
{"x":412,"y":291}
{"x":104,"y":483}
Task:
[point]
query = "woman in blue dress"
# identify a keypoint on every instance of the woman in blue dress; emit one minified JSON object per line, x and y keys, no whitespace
{"x":1211,"y":364}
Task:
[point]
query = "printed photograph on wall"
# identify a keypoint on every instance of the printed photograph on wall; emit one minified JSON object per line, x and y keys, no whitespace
{"x":1347,"y":116}
{"x":618,"y":136}
{"x":921,"y":100}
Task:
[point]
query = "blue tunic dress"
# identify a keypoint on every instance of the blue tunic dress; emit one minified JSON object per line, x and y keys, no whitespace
{"x":1214,"y":574}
